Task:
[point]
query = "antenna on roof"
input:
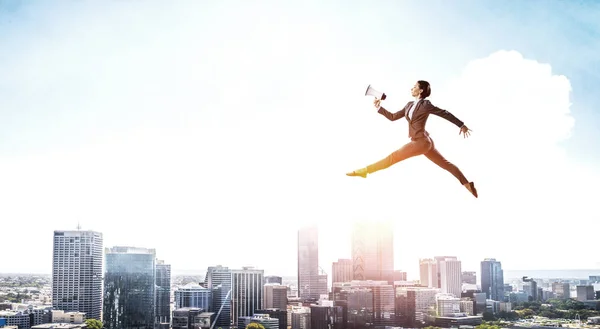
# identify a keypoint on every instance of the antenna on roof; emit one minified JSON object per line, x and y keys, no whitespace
{"x":78,"y":226}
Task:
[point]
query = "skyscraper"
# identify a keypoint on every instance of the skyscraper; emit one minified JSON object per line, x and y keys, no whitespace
{"x":439,"y":259}
{"x":373,"y":251}
{"x":308,"y":263}
{"x":163,"y":292}
{"x":451,"y":276}
{"x":492,"y":279}
{"x":218,"y":279}
{"x":77,"y":272}
{"x":247,"y":287}
{"x":129,"y":288}
{"x":428,"y":270}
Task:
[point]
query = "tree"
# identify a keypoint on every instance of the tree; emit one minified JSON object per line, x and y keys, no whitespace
{"x":94,"y":324}
{"x":526,"y":313}
{"x":255,"y":325}
{"x":487,"y":326}
{"x":510,"y":316}
{"x":488,"y":316}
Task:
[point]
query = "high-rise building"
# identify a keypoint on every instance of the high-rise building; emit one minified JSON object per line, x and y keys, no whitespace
{"x":77,"y":272}
{"x":373,"y":251}
{"x":437,"y":260}
{"x":247,"y":287}
{"x":451,"y":276}
{"x":163,"y":292}
{"x":129,"y":288}
{"x":308,"y":263}
{"x":218,"y":279}
{"x":428,"y":271}
{"x":492,"y":279}
{"x":531,"y":288}
{"x":342,"y":270}
{"x":275,"y":296}
{"x":561,"y":290}
{"x":585,"y":293}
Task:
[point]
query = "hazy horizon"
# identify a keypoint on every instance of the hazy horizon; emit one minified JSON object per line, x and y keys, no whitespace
{"x":509,"y":273}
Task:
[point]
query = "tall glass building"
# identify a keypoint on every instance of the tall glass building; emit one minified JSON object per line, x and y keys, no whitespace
{"x":129,"y":288}
{"x":218,"y":279}
{"x":492,"y":279}
{"x":373,"y":251}
{"x":308,"y":264}
{"x":163,"y":292}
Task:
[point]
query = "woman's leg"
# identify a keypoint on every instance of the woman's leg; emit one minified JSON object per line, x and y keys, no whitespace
{"x":437,"y":158}
{"x":409,"y":150}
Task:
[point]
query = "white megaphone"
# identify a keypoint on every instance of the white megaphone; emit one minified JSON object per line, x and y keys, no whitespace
{"x":372,"y":92}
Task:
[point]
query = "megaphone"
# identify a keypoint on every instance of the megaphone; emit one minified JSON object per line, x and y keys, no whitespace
{"x":372,"y":92}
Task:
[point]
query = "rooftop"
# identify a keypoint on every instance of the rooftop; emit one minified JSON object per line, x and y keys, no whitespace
{"x":60,"y":326}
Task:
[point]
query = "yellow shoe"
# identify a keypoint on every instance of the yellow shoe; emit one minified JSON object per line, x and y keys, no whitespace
{"x":360,"y":172}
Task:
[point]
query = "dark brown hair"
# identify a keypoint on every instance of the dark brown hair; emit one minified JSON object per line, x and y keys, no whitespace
{"x":426,"y":87}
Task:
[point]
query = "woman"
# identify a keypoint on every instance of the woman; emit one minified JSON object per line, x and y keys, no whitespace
{"x":416,"y":113}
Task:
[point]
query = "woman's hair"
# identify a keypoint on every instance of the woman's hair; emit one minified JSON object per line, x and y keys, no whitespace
{"x":426,"y":87}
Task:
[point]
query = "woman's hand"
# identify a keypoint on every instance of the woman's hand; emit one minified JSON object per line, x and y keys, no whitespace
{"x":377,"y":103}
{"x":465,"y":131}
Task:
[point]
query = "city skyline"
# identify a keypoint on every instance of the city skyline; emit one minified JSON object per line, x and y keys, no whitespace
{"x":413,"y":273}
{"x":178,"y":130}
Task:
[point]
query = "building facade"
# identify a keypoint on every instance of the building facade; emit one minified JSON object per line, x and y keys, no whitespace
{"x":492,"y":279}
{"x":129,"y":288}
{"x":77,"y":272}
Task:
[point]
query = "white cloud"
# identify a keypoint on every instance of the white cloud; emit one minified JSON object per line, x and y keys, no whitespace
{"x":519,"y":112}
{"x":530,"y":192}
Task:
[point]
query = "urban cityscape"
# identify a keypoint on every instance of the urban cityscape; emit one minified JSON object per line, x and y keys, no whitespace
{"x":120,"y":287}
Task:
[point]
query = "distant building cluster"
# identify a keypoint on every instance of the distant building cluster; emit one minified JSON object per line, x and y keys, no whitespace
{"x":127,"y":287}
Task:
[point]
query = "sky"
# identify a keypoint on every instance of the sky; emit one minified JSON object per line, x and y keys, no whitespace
{"x":213,"y":130}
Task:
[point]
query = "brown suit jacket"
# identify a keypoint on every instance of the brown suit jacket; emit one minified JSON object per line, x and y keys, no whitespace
{"x":416,"y":125}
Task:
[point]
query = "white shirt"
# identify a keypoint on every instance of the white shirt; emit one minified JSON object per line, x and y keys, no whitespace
{"x":412,"y":108}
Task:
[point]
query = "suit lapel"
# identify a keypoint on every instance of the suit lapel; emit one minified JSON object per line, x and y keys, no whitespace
{"x":408,"y":107}
{"x":412,"y":114}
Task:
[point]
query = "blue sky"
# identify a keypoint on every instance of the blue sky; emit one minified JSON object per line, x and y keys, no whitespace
{"x":561,"y":33}
{"x":210,"y":116}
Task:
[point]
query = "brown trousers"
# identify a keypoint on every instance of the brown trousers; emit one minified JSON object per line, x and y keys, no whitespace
{"x":419,"y":146}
